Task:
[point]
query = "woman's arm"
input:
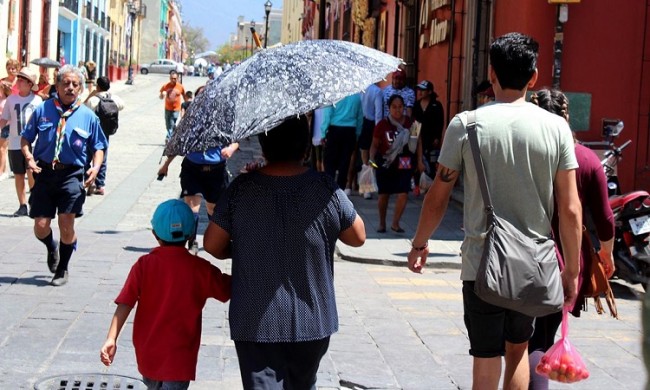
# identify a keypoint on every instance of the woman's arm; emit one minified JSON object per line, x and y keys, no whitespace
{"x":216,"y":241}
{"x":355,"y":235}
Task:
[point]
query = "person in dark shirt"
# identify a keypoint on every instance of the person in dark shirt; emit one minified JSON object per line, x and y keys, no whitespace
{"x":186,"y":104}
{"x":428,"y":111}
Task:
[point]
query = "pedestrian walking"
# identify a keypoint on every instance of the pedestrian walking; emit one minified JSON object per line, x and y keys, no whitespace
{"x":106,"y":105}
{"x":372,"y":104}
{"x":17,"y":111}
{"x":340,"y":127}
{"x":174,"y":94}
{"x":429,"y":112}
{"x":591,"y":180}
{"x":204,"y":176}
{"x":180,"y":69}
{"x":398,"y":87}
{"x":170,"y":287}
{"x":91,"y":72}
{"x":525,"y":148}
{"x":65,"y":132}
{"x":395,"y":162}
{"x":280,"y":224}
{"x":12,"y":66}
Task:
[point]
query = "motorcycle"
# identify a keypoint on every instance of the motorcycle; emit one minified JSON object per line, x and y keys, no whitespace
{"x":631,"y":215}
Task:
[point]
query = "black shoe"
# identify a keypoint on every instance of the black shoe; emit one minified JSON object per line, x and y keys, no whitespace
{"x":59,"y":279}
{"x":22,"y":211}
{"x":53,"y":259}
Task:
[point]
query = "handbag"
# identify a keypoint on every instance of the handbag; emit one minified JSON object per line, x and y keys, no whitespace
{"x":595,"y":282}
{"x":516,"y":272}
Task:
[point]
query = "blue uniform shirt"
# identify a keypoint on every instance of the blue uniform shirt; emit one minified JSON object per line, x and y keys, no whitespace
{"x":210,"y":156}
{"x":83,"y":134}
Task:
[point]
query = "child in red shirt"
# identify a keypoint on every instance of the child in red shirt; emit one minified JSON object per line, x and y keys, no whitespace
{"x":170,"y":286}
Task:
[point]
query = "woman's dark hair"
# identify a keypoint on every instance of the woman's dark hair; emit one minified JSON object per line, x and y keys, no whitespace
{"x":552,"y":100}
{"x":393,"y":97}
{"x":287,"y":142}
{"x":513,"y":57}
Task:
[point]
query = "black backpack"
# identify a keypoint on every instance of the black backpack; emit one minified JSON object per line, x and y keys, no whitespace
{"x":108,"y":113}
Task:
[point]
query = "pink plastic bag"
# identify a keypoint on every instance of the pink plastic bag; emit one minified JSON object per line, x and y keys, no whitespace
{"x":562,"y":362}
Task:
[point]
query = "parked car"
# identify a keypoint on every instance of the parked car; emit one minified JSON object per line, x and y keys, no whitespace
{"x":159,"y":66}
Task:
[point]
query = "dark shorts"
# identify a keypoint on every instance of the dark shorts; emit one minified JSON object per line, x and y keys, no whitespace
{"x":489,"y":326}
{"x":280,"y":365}
{"x":393,"y":180}
{"x":365,"y":139}
{"x":17,"y":162}
{"x":208,"y":180}
{"x":59,"y":191}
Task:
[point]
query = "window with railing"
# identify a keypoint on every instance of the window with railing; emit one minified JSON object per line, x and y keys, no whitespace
{"x":88,"y":14}
{"x":72,"y":5}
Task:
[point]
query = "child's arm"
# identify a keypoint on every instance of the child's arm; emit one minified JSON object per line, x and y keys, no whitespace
{"x":107,"y":353}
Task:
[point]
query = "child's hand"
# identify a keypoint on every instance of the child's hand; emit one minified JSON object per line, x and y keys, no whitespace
{"x":107,"y":353}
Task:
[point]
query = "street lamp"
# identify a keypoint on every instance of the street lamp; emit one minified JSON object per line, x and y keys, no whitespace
{"x":246,"y":47}
{"x":132,"y":12}
{"x":267,"y":11}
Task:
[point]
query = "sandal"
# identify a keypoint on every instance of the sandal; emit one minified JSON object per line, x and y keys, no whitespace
{"x":398,"y":230}
{"x":381,"y":230}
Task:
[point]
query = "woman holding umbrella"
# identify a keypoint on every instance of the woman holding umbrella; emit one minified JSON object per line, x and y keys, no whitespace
{"x":279,"y":224}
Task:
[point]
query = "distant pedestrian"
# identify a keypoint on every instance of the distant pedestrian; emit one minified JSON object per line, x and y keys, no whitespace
{"x":429,"y":112}
{"x":104,"y":103}
{"x":12,"y":66}
{"x":170,"y":287}
{"x":280,"y":224}
{"x":395,"y":162}
{"x":65,"y":132}
{"x":484,"y":93}
{"x":174,"y":94}
{"x":180,"y":69}
{"x":91,"y":71}
{"x":372,"y":103}
{"x":204,"y":176}
{"x":398,"y":87}
{"x":189,"y":96}
{"x":17,"y":111}
{"x":340,"y":128}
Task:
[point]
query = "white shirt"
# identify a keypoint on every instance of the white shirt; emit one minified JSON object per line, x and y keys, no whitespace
{"x":17,"y":111}
{"x":93,"y":101}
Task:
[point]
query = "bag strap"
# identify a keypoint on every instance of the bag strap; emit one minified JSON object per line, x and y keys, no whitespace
{"x":478,"y":161}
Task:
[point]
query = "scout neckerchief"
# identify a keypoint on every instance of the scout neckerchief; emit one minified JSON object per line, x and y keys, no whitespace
{"x":60,"y":128}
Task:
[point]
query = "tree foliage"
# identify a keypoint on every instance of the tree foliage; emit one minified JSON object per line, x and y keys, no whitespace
{"x":232,"y":54}
{"x":195,"y":40}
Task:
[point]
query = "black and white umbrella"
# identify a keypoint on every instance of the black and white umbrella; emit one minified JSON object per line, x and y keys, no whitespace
{"x":274,"y":84}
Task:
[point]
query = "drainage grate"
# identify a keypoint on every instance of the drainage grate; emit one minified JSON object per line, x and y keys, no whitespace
{"x":90,"y":382}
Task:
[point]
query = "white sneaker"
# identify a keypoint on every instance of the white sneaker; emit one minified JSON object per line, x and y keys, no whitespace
{"x":4,"y":176}
{"x":367,"y":195}
{"x":348,"y":192}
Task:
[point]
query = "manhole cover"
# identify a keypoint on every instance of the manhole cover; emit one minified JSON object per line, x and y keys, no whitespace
{"x":89,"y":382}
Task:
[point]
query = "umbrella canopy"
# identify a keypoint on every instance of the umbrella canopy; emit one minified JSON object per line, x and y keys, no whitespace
{"x":46,"y":62}
{"x":200,"y":62}
{"x":274,"y":84}
{"x":206,"y":54}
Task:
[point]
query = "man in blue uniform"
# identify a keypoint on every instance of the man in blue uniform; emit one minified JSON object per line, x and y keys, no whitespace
{"x":65,"y":131}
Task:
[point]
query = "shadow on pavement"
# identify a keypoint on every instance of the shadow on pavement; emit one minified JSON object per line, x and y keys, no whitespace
{"x":137,"y":249}
{"x":37,"y":280}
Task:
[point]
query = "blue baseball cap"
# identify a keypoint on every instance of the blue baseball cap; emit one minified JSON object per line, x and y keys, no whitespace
{"x":173,"y":221}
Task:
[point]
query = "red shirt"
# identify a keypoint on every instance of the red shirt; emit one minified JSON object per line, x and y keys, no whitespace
{"x":385,"y":133}
{"x":170,"y":286}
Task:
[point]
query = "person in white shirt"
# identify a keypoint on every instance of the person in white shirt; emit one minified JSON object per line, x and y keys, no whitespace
{"x":17,"y":111}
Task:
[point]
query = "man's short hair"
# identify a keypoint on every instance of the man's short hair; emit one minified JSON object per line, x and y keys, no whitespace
{"x":103,"y":83}
{"x":65,"y":69}
{"x":513,"y":57}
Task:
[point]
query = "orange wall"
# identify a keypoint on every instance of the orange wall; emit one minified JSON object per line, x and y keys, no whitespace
{"x":601,"y":56}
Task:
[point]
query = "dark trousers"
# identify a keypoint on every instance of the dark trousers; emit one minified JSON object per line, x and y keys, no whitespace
{"x":100,"y":180}
{"x":289,"y":366}
{"x":338,"y":150}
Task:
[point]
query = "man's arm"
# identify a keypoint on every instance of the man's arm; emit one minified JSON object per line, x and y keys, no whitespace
{"x":570,"y":215}
{"x":25,"y":147}
{"x":433,"y":210}
{"x":92,"y":172}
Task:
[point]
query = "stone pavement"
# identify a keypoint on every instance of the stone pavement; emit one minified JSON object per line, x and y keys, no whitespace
{"x":398,"y":330}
